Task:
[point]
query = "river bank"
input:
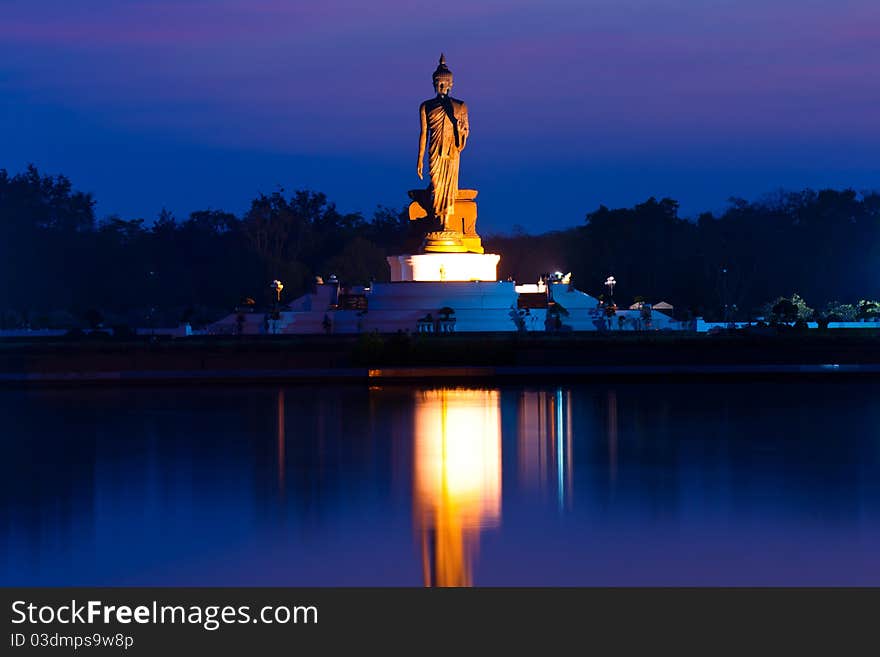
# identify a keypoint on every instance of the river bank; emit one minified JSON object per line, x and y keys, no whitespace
{"x":449,"y":357}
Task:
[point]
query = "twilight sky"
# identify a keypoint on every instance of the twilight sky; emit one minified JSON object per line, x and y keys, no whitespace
{"x":190,"y":104}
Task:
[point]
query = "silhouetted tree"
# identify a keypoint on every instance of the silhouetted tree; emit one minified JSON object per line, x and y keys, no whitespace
{"x":57,"y":261}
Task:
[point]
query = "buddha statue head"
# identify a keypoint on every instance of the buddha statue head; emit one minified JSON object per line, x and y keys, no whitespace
{"x":442,"y":77}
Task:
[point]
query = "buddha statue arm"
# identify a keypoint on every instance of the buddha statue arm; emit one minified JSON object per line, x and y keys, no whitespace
{"x":463,"y":127}
{"x":423,"y":137}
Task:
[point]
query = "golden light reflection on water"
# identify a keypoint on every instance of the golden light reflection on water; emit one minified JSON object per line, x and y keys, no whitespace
{"x":457,"y":479}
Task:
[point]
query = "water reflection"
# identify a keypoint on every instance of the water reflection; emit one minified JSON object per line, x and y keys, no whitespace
{"x":544,"y":442}
{"x":282,"y":461}
{"x":612,"y":436}
{"x":738,"y":484}
{"x":457,"y":479}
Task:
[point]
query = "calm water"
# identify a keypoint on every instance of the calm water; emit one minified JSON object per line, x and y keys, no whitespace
{"x":738,"y":484}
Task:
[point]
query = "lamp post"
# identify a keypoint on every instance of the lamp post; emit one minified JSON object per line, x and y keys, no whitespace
{"x":610,"y":283}
{"x":277,"y":286}
{"x":611,"y":308}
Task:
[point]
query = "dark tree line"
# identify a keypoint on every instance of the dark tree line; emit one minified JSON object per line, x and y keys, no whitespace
{"x":824,"y":246}
{"x":61,"y":266}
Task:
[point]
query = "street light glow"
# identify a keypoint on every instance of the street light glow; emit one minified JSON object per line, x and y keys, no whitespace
{"x":277,"y":286}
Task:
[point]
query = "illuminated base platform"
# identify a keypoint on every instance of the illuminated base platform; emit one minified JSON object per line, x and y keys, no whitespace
{"x":440,"y":306}
{"x":443,"y":267}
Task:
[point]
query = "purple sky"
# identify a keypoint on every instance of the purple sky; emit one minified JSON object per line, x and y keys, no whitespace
{"x":191,"y":104}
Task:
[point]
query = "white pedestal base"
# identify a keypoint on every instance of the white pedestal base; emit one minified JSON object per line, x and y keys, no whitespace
{"x":444,"y":267}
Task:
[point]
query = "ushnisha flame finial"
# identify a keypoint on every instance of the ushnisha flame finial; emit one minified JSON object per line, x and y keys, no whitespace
{"x":442,"y":72}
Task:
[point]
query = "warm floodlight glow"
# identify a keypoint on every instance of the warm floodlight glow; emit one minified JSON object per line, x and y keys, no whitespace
{"x":457,"y":478}
{"x":445,"y":267}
